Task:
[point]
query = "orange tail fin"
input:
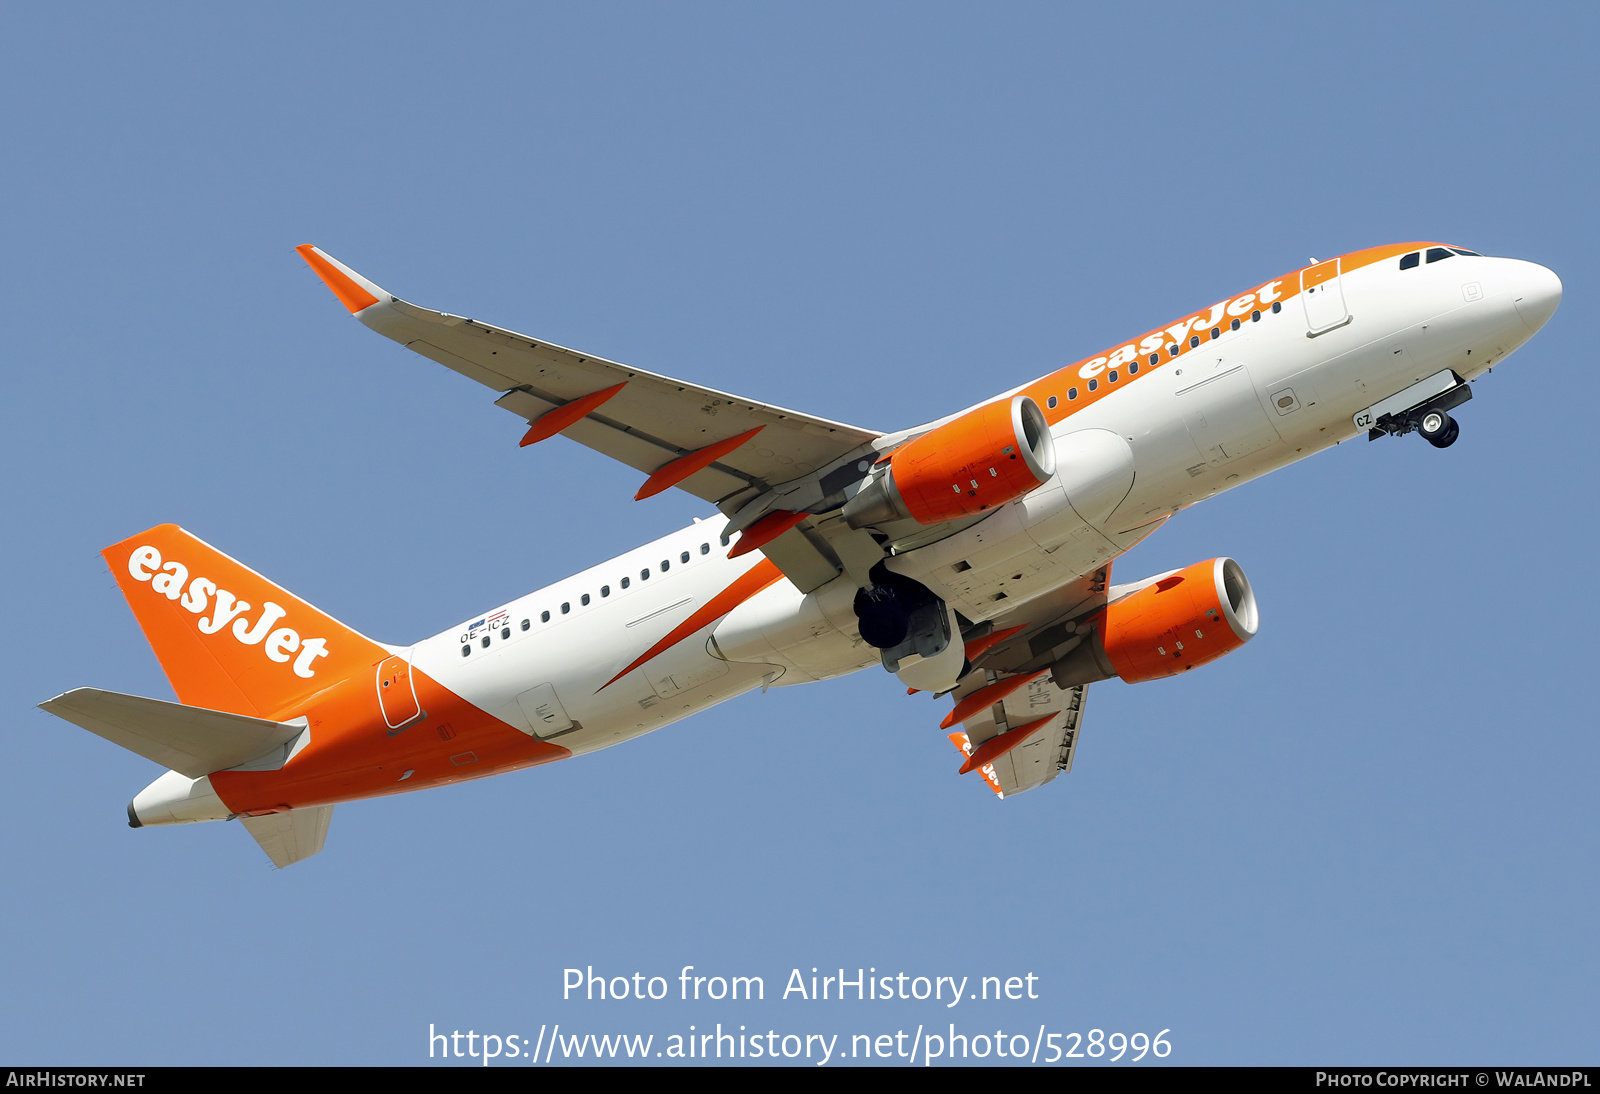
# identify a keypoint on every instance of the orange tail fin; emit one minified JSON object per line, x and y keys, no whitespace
{"x":227,"y":638}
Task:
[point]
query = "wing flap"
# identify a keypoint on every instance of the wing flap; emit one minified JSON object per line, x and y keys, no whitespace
{"x":1048,"y":751}
{"x":627,"y":446}
{"x":470,"y":369}
{"x":801,"y":561}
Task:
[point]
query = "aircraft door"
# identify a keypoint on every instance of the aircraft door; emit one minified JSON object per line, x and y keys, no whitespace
{"x":546,"y":716}
{"x":397,"y":693}
{"x":1225,"y":418}
{"x":1322,"y":290}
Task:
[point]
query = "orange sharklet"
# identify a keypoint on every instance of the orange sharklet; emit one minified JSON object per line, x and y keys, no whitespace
{"x":350,"y":294}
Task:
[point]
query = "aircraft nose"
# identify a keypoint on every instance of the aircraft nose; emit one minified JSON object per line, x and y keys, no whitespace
{"x":1538,"y":294}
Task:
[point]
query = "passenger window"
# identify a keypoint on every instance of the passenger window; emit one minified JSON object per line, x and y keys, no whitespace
{"x":485,"y":641}
{"x":1255,"y":316}
{"x":1154,"y":357}
{"x":684,"y":557}
{"x":605,"y":590}
{"x":1435,"y":254}
{"x":624,"y":583}
{"x":644,"y":574}
{"x":1072,"y":393}
{"x":1112,"y":376}
{"x":1172,"y":350}
{"x":665,"y":565}
{"x":505,"y":632}
{"x":1194,"y":341}
{"x":1093,"y":384}
{"x":526,"y":623}
{"x":1050,"y":402}
{"x":465,"y":650}
{"x":1277,"y":306}
{"x":544,"y":617}
{"x":1410,"y":260}
{"x":724,"y":541}
{"x":584,"y":600}
{"x":1234,"y":325}
{"x":1216,"y":332}
{"x":1134,"y":366}
{"x":705,"y":548}
{"x":566,"y":607}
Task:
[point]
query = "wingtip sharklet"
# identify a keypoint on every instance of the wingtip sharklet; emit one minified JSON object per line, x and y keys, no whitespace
{"x":354,"y":291}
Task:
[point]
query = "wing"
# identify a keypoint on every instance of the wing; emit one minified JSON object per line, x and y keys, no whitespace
{"x":1045,"y":718}
{"x":647,"y":421}
{"x":1018,"y":729}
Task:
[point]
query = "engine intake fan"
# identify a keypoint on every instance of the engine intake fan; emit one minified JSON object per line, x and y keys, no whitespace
{"x":1176,"y":622}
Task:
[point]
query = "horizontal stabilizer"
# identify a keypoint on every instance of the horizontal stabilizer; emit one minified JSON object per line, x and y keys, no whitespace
{"x":190,"y":740}
{"x":290,"y":837}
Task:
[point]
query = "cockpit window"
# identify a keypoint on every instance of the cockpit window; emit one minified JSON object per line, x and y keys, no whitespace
{"x":1464,"y":251}
{"x":1435,"y":254}
{"x":1411,"y":260}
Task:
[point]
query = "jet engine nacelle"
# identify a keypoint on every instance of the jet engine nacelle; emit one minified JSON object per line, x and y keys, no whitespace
{"x":807,"y":636}
{"x":982,"y":459}
{"x":1171,"y":624}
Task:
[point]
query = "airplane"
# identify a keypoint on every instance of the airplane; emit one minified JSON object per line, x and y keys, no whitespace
{"x":970,"y":557}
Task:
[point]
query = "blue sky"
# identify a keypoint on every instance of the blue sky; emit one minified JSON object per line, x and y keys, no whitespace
{"x":1368,"y":837}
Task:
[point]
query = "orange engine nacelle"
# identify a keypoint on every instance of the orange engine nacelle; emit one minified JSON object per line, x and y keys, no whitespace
{"x":982,"y":459}
{"x":1181,"y":620}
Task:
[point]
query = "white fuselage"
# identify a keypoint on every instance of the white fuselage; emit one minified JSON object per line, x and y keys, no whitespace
{"x":1247,"y":402}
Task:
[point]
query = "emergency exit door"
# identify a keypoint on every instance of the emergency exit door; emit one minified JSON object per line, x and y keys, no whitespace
{"x":1322,"y":290}
{"x":397,"y":693}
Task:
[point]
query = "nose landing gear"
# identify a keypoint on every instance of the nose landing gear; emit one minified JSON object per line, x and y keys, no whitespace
{"x":1438,"y":428}
{"x":1422,"y":408}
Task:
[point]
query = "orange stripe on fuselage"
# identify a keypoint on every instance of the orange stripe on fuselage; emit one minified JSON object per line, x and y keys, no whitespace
{"x":352,"y":755}
{"x":758,"y":577}
{"x":1283,"y":289}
